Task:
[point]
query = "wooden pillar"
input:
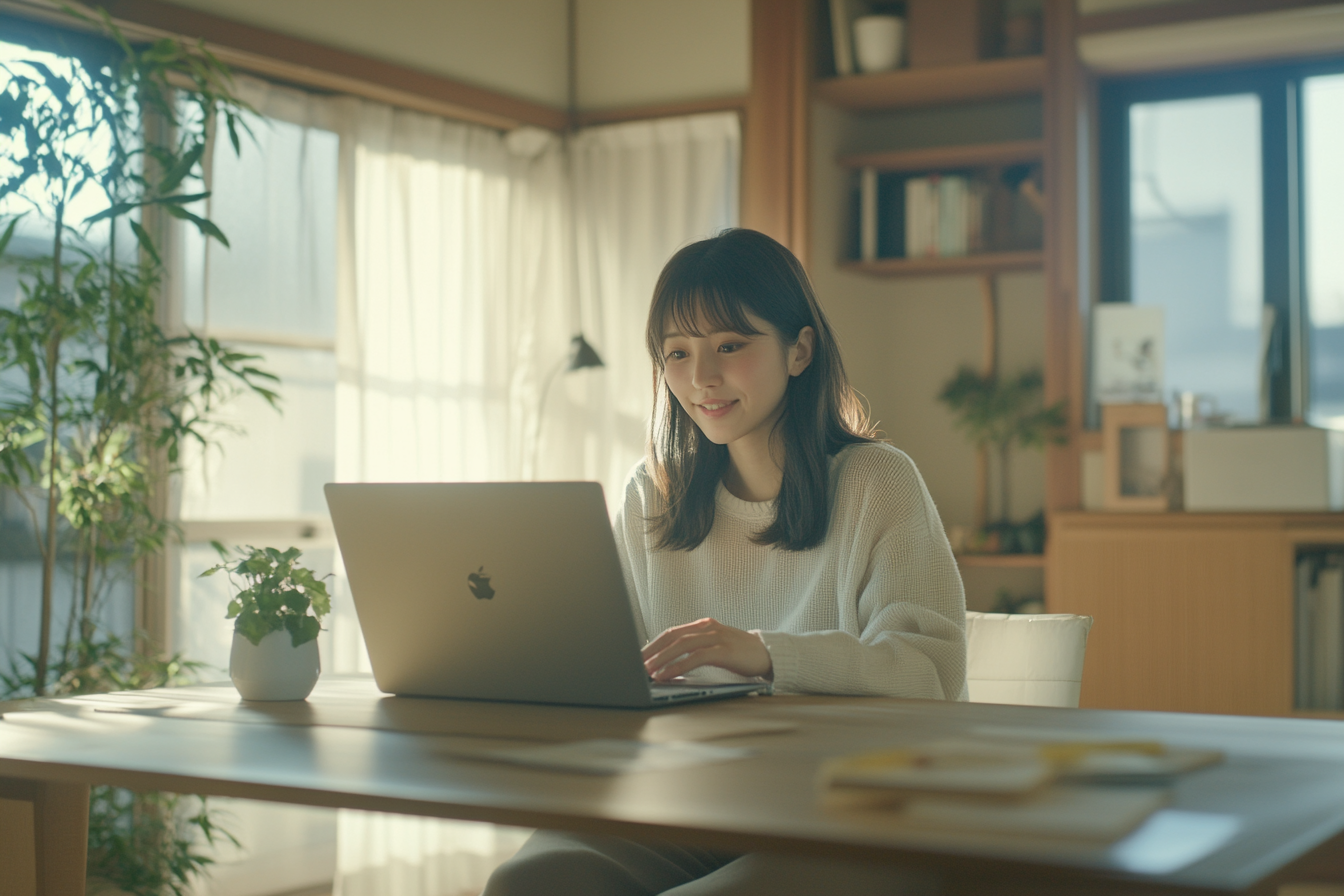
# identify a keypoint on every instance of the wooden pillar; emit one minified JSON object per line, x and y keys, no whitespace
{"x":775,"y":137}
{"x":1063,"y":332}
{"x":56,"y":830}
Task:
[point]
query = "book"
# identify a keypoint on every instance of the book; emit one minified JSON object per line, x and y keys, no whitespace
{"x":868,"y":213}
{"x":1006,"y":768}
{"x":1329,"y":638}
{"x":1304,"y":696}
{"x":953,"y":197}
{"x":921,"y":216}
{"x":842,"y":37}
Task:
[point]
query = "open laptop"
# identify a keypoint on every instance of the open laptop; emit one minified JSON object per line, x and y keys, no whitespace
{"x":496,"y":591}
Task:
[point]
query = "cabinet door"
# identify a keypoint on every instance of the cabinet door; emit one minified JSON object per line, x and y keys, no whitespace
{"x":1188,"y":619}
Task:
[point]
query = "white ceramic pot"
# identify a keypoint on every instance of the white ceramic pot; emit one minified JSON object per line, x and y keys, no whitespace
{"x":878,"y":42}
{"x":274,"y":669}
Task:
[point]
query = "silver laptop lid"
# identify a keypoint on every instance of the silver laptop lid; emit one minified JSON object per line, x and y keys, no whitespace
{"x":495,"y":591}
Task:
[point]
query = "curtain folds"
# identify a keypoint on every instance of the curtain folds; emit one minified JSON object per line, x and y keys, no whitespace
{"x":467,"y":261}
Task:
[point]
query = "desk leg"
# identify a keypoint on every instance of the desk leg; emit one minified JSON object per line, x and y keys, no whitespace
{"x":59,"y":831}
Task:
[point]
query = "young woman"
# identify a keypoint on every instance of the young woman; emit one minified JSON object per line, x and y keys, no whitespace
{"x":767,"y":535}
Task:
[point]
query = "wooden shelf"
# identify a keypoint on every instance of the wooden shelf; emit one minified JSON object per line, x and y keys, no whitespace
{"x":946,"y":157}
{"x":983,"y":263}
{"x":1003,"y":561}
{"x":990,"y":79}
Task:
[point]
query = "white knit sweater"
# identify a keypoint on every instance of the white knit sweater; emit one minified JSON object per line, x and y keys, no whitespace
{"x":876,"y":608}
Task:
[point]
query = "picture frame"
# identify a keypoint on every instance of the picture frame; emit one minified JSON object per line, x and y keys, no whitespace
{"x":1137,"y":456}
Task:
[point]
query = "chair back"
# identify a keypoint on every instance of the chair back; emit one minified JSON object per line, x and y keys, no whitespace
{"x":1030,"y":660}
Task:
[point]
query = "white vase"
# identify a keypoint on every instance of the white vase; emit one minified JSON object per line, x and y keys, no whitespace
{"x":878,"y":42}
{"x":274,"y":669}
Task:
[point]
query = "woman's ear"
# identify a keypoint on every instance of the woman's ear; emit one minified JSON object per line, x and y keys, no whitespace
{"x":800,"y":353}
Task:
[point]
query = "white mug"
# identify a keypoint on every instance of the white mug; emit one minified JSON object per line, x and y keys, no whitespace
{"x":879,"y":42}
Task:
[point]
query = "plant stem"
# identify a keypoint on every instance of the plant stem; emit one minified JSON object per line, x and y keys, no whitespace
{"x":1004,"y":448}
{"x":53,"y":454}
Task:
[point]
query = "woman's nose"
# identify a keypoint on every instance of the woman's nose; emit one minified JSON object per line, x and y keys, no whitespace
{"x":705,"y":372}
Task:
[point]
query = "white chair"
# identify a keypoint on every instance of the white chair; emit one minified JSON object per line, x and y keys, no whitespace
{"x":1025,"y":659}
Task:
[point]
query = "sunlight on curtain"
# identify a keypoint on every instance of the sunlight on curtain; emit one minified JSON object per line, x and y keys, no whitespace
{"x":642,"y":190}
{"x":452,"y":300}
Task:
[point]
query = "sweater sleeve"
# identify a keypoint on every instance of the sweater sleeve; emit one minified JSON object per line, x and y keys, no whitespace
{"x":905,"y":597}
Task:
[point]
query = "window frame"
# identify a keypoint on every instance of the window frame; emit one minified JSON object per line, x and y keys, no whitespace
{"x":1279,"y":88}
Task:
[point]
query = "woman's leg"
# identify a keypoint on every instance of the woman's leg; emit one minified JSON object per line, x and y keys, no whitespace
{"x":764,"y":874}
{"x":556,"y":864}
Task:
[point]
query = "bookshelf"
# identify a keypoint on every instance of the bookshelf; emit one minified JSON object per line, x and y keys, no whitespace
{"x":975,"y":155}
{"x":987,"y":79}
{"x":1004,"y":229}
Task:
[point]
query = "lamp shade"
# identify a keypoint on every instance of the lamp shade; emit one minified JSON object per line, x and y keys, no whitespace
{"x":582,"y":355}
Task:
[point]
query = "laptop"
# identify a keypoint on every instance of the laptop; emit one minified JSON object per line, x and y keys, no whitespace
{"x":497,"y":591}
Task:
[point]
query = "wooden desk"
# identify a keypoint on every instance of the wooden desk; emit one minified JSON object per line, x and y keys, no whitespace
{"x":1278,"y":800}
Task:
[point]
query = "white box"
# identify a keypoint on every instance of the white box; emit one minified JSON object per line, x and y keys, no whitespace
{"x":1264,"y":468}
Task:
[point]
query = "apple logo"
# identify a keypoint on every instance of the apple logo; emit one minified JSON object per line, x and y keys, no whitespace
{"x":479,"y":583}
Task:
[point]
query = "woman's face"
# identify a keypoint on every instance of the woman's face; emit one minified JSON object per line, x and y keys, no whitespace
{"x":732,"y":384}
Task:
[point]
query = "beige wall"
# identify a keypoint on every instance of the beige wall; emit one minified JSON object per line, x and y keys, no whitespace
{"x":636,"y":52}
{"x":518,"y":47}
{"x":631,"y":52}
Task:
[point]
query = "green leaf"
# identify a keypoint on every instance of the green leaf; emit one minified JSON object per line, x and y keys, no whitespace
{"x":302,"y":629}
{"x":206,"y":227}
{"x":146,"y":243}
{"x":8,"y":235}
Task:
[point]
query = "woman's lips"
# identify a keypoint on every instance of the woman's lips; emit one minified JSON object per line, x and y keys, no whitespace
{"x":716,"y":408}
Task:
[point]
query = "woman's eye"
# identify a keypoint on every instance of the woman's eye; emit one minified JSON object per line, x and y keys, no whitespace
{"x":676,"y":354}
{"x":729,"y":347}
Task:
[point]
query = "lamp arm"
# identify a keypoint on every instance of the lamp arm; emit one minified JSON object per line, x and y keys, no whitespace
{"x":541,"y":414}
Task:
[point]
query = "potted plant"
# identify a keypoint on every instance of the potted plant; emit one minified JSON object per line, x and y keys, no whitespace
{"x":997,"y":413}
{"x":277,"y":619}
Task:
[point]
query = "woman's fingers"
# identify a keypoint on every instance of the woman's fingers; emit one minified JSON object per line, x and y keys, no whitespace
{"x":680,"y":646}
{"x":661,"y":643}
{"x":706,"y":642}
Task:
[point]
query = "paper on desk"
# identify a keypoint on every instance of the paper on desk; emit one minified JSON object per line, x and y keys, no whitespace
{"x":608,"y":756}
{"x":1086,"y":813}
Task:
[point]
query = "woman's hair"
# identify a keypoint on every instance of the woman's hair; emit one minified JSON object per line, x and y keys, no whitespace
{"x":717,"y":282}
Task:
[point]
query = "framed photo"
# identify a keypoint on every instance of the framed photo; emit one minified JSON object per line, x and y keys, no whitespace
{"x":1134,"y":441}
{"x":1127,"y":353}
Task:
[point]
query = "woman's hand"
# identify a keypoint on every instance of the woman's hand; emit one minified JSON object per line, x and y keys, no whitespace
{"x":706,"y":642}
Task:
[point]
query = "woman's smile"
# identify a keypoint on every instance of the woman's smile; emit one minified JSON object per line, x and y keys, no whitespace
{"x":716,"y":407}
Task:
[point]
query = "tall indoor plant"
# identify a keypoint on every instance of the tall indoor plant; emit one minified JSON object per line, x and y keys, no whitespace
{"x":99,"y":397}
{"x":96,"y":395}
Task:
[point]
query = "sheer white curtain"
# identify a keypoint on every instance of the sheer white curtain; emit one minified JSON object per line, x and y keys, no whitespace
{"x":458,"y":301}
{"x":453,"y":300}
{"x":641,"y":191}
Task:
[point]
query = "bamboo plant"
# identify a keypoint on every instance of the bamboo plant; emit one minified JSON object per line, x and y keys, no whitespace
{"x":96,"y":397}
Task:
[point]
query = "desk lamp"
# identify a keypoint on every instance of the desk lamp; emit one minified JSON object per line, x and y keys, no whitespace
{"x":581,"y":356}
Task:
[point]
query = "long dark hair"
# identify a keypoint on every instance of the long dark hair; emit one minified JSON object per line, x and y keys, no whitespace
{"x":718,"y":282}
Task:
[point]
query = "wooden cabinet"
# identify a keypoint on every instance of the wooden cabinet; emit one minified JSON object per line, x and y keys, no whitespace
{"x":1194,"y":611}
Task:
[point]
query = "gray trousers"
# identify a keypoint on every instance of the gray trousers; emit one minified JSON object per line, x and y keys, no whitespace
{"x":555,"y":864}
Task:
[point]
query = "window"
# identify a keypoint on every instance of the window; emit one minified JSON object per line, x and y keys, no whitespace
{"x":1221,"y":195}
{"x":272,"y":293}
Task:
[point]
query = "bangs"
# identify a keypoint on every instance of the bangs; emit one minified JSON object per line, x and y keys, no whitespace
{"x":697,"y":311}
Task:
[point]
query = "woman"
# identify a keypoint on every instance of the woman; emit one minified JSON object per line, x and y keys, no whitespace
{"x":767,"y":535}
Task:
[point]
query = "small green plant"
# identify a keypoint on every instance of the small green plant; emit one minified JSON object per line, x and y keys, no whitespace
{"x":997,"y":412}
{"x":279,"y":595}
